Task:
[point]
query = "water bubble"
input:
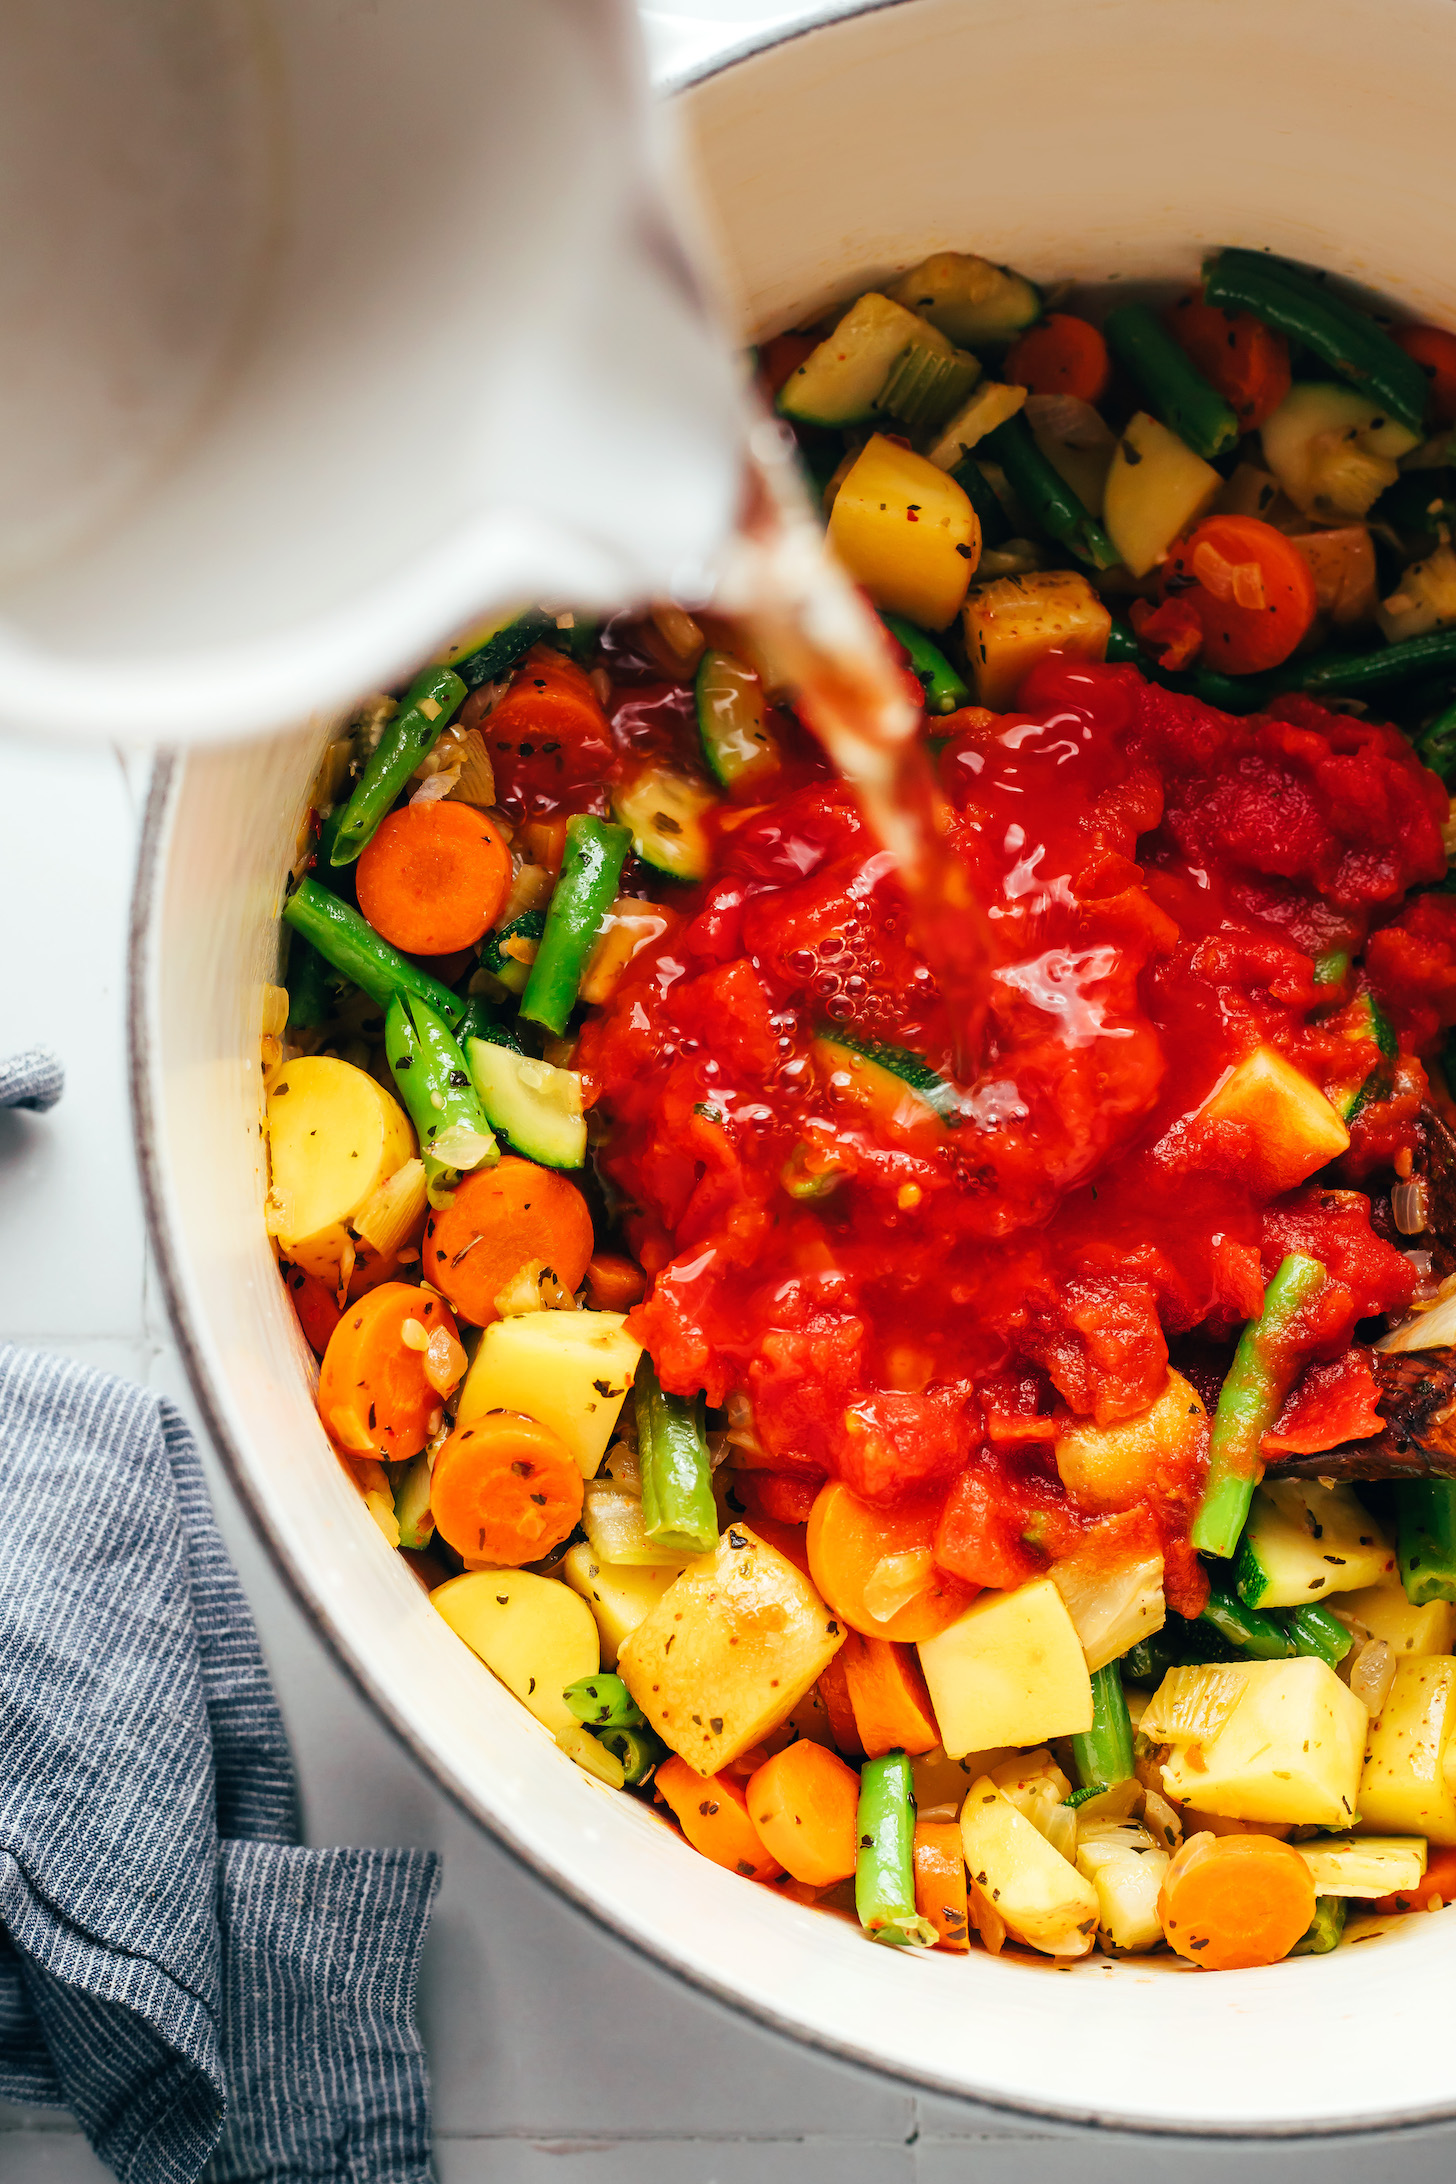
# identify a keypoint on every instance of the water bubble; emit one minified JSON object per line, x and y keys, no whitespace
{"x":838,"y":1008}
{"x":831,"y":946}
{"x":801,"y":961}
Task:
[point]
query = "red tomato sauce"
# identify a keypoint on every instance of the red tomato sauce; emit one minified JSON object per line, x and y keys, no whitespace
{"x":1159,"y":879}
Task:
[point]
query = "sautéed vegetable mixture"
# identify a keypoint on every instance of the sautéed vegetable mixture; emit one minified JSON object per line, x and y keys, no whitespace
{"x":1016,"y":1507}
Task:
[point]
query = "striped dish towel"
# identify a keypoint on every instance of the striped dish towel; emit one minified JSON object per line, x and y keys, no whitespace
{"x":175,"y":1968}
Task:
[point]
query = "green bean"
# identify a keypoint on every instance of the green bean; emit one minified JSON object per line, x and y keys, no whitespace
{"x":502,"y":648}
{"x":1318,"y":1631}
{"x":638,"y":1749}
{"x":591,"y":866}
{"x":424,"y":711}
{"x":1230,"y":693}
{"x":945,"y":690}
{"x":1437,"y":747}
{"x":678,"y":1510}
{"x":979,"y":491}
{"x":1248,"y":1403}
{"x":1174,"y":387}
{"x":603,"y":1702}
{"x":1354,"y":674}
{"x":1326,"y":1928}
{"x":1343,"y":336}
{"x":351,"y":944}
{"x":435,"y":1085}
{"x":1426,"y":1539}
{"x":1258,"y":1636}
{"x":884,"y":1879}
{"x":309,"y":1001}
{"x":1103,"y":1755}
{"x":1049,"y":500}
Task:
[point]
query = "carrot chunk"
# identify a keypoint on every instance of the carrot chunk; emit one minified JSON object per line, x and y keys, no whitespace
{"x":433,"y":878}
{"x":863,"y":1560}
{"x":375,"y":1395}
{"x":316,"y":1305}
{"x":713,"y":1815}
{"x":614,"y":1284}
{"x":1436,"y":1887}
{"x":501,"y":1221}
{"x":940,"y":1882}
{"x":1062,"y":355}
{"x":804,"y":1803}
{"x":833,"y":1688}
{"x":1246,"y":361}
{"x":1229,"y":1902}
{"x":505,"y":1490}
{"x":1435,"y":351}
{"x":1251,"y":588}
{"x":892,"y":1709}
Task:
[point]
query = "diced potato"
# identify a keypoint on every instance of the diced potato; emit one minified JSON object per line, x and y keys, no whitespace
{"x":567,"y":1370}
{"x":537,"y":1635}
{"x":1342,"y":563}
{"x":1112,"y":1467}
{"x":1409,"y":1783}
{"x":1387,"y":1614}
{"x":1011,"y":624}
{"x":1113,"y":1605}
{"x":990,"y":406}
{"x":906,"y":532}
{"x":1010,"y":1670}
{"x":1363,"y":1865}
{"x":619,"y":1598}
{"x":840,"y":382}
{"x":729,"y":1650}
{"x":1290,"y":1750}
{"x":1303,"y":1540}
{"x":1291,"y":1128}
{"x":334,"y":1137}
{"x":1042,"y":1898}
{"x":1126,"y":1867}
{"x":1424,"y":599}
{"x":1156,"y":489}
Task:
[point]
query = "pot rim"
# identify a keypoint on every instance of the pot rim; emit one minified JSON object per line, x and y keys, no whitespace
{"x":142,"y":956}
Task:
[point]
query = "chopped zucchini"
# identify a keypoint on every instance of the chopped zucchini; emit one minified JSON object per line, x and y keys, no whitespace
{"x":1364,"y":1865}
{"x":729,"y":1650}
{"x":840,"y":382}
{"x":508,"y":952}
{"x":567,"y":1370}
{"x":538,"y":1107}
{"x":738,"y":746}
{"x":975,"y":303}
{"x":1333,"y":450}
{"x":1126,"y":1867}
{"x":1011,"y":624}
{"x":619,"y":1597}
{"x":906,"y":532}
{"x":1156,"y":489}
{"x":533,"y":1632}
{"x":1303,"y":1540}
{"x":1038,"y":1894}
{"x":412,"y":1511}
{"x":1290,"y":1749}
{"x":1424,"y":599}
{"x":1290,"y":1127}
{"x":924,"y":388}
{"x":1409,"y":1783}
{"x":665,"y":811}
{"x":1010,"y":1670}
{"x":990,"y":406}
{"x":899,"y":1091}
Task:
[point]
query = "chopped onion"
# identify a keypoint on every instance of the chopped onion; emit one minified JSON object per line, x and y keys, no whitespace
{"x":1433,"y":1330}
{"x":1373,"y":1674}
{"x":462,"y":1147}
{"x":1409,"y":1203}
{"x":1191,"y":1705}
{"x":1111,"y":1609}
{"x":445,"y":1362}
{"x":476,"y":781}
{"x":394,"y":1212}
{"x":1161,"y":1820}
{"x":895,"y":1581}
{"x":436,"y":786}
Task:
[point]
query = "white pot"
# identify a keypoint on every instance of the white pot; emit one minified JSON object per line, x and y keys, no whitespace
{"x":1084,"y":137}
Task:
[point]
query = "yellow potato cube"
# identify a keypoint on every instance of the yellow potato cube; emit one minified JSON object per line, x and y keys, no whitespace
{"x":620,"y":1595}
{"x":1291,"y":1128}
{"x":906,"y":531}
{"x":1157,"y":487}
{"x":1111,"y":1467}
{"x":1409,"y":1783}
{"x":1290,"y":1749}
{"x":729,"y":1650}
{"x":1010,"y":1670}
{"x":568,"y":1370}
{"x":1045,"y":1902}
{"x":334,"y":1137}
{"x":1387,"y":1614}
{"x":1011,"y":624}
{"x":532,"y":1632}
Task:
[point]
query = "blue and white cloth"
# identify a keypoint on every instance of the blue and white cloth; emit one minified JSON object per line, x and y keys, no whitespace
{"x":200,"y":1990}
{"x":32,"y":1079}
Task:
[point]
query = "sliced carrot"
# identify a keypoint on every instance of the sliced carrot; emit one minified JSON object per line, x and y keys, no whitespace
{"x":549,"y":741}
{"x":804,"y":1803}
{"x":375,"y":1397}
{"x":433,"y":877}
{"x":1061,"y":355}
{"x":853,"y":1547}
{"x":614,"y":1284}
{"x":318,"y":1309}
{"x":713,"y":1815}
{"x":500,"y":1221}
{"x":1437,"y":1886}
{"x":505,"y":1490}
{"x":1247,"y":361}
{"x":833,"y":1689}
{"x":1435,"y":351}
{"x":892,"y":1709}
{"x":780,"y":357}
{"x":1229,"y":1902}
{"x":1251,"y":588}
{"x":940,"y":1882}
